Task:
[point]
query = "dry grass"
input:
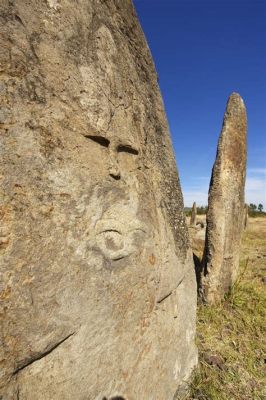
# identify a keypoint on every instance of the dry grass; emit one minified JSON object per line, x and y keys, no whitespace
{"x":231,"y":335}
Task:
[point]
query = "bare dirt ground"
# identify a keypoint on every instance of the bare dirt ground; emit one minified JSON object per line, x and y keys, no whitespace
{"x":231,"y":335}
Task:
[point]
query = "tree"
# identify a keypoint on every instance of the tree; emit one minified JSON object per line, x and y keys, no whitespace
{"x":260,"y":207}
{"x":252,"y":207}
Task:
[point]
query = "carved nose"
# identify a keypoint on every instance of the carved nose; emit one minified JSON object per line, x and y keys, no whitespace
{"x":114,"y":170}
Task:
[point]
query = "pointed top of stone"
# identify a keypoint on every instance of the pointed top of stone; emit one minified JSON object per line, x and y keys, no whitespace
{"x":235,"y":108}
{"x":232,"y":141}
{"x":235,"y":95}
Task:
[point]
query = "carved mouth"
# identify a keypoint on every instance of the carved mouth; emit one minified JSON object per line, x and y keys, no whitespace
{"x":113,"y":240}
{"x":117,"y":240}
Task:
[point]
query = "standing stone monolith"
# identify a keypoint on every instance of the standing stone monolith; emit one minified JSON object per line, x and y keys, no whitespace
{"x":245,"y":221}
{"x":225,"y":205}
{"x":193,"y":215}
{"x":98,"y":294}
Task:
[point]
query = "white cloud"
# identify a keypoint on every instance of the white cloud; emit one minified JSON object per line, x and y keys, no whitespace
{"x":254,"y":184}
{"x":255,"y":190}
{"x":199,"y":196}
{"x":198,"y":192}
{"x":257,"y":171}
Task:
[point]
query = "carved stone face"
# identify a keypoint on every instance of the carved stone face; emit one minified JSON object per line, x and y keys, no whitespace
{"x":119,"y":232}
{"x":117,"y":149}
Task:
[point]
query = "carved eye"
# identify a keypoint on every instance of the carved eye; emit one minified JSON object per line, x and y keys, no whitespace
{"x":127,"y":149}
{"x":99,"y":139}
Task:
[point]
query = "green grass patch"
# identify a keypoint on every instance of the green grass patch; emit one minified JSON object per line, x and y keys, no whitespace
{"x":231,"y":335}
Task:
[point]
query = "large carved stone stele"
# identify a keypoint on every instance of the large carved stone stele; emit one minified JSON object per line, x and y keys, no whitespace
{"x":97,"y":287}
{"x":193,"y":215}
{"x":226,"y":204}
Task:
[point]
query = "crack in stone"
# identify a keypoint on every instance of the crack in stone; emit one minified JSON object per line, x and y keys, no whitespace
{"x":165,"y":297}
{"x":38,"y":357}
{"x":169,"y":294}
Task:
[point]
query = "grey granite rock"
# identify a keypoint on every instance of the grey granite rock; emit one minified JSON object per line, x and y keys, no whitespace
{"x":193,"y":215}
{"x":226,"y":204}
{"x":97,"y":293}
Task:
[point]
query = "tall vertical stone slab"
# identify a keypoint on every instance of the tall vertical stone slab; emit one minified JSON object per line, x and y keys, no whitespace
{"x":193,"y":215}
{"x":226,"y":204}
{"x":245,"y":218}
{"x":97,"y":285}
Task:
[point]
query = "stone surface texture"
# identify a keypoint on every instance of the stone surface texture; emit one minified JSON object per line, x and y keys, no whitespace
{"x":193,"y":215}
{"x":245,"y":218}
{"x":226,"y":204}
{"x":97,"y":287}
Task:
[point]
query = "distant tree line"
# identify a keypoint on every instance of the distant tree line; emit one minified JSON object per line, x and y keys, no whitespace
{"x":255,"y":210}
{"x":200,"y":210}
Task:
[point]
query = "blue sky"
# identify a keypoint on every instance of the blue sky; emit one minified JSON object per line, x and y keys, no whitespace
{"x":203,"y":51}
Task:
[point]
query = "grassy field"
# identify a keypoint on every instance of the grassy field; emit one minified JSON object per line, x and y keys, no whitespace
{"x":231,"y":335}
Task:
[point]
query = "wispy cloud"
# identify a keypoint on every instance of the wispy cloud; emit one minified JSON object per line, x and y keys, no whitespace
{"x":199,"y":196}
{"x":255,"y":190}
{"x":254,"y":184}
{"x":261,"y":171}
{"x":197,"y":192}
